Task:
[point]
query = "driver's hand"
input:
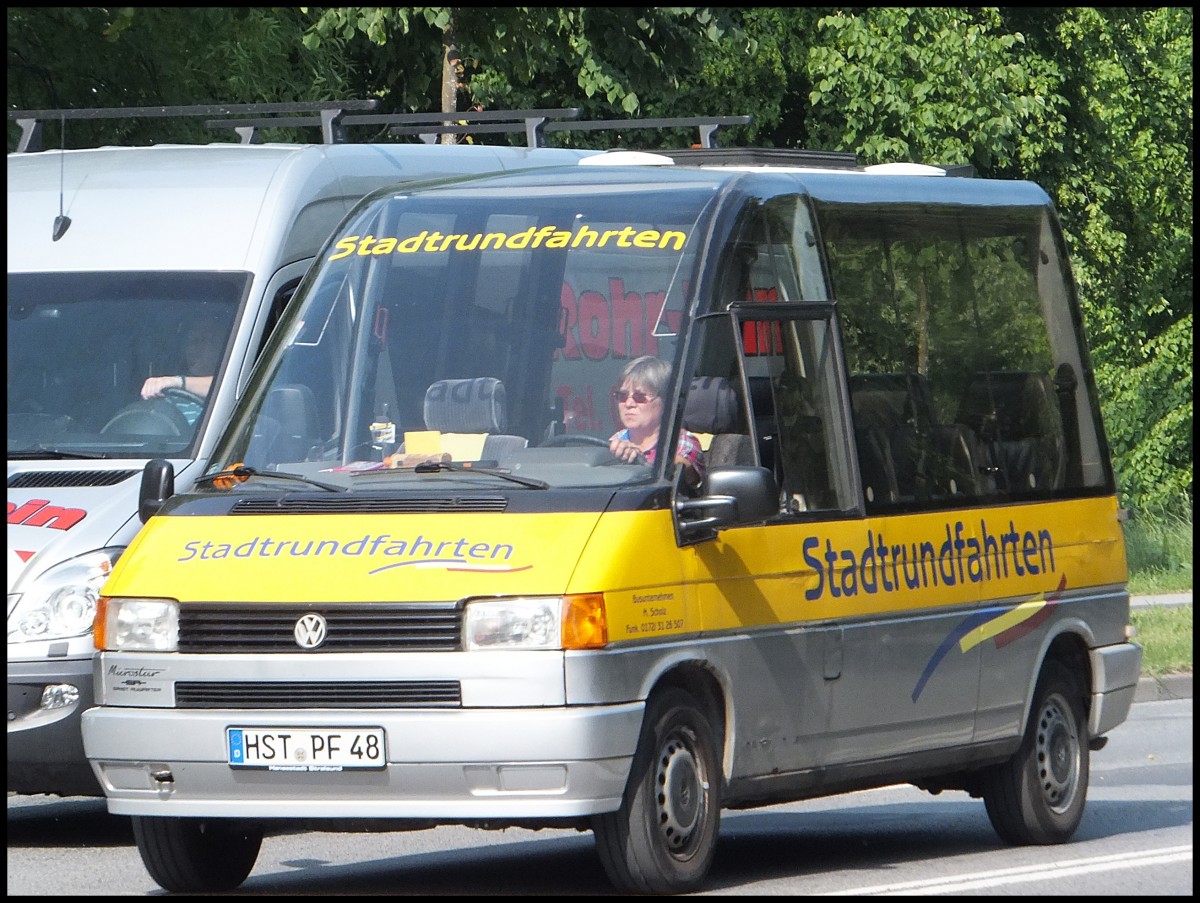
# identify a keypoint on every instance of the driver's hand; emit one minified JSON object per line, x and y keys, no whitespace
{"x":153,"y":387}
{"x":625,"y":450}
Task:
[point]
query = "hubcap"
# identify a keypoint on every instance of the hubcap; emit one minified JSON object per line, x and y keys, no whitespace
{"x":1057,"y":754}
{"x":681,"y":795}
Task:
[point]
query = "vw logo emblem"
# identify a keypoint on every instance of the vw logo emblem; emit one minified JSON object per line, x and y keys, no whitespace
{"x":310,"y":631}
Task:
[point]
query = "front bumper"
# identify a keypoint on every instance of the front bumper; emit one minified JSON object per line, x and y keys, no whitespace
{"x":446,"y":765}
{"x":45,"y":746}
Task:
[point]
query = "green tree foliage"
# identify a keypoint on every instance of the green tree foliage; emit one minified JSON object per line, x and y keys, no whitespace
{"x":1093,"y":103}
{"x":930,"y":85}
{"x":1124,"y":190}
{"x":83,"y":57}
{"x":610,"y":61}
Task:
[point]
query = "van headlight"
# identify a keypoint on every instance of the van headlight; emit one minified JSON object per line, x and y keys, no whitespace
{"x":61,"y":603}
{"x":137,"y":625}
{"x":536,"y":622}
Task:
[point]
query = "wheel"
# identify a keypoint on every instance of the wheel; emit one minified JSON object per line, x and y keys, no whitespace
{"x":663,"y":838}
{"x":1037,"y":796}
{"x":197,"y":855}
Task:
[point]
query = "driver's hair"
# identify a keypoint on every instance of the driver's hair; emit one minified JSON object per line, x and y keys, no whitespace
{"x":646,"y":372}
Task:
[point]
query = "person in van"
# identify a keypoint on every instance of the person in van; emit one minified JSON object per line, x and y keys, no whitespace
{"x":201,"y":355}
{"x":639,"y":401}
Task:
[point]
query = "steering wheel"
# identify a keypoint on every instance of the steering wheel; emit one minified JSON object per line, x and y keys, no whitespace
{"x":149,"y":417}
{"x":183,"y":394}
{"x":563,"y":439}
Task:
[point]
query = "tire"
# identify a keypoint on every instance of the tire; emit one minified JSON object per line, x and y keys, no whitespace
{"x":1037,"y":796}
{"x":197,"y":855}
{"x":663,"y":838}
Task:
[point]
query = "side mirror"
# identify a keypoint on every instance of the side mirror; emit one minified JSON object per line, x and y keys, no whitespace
{"x":729,"y":497}
{"x":158,"y":485}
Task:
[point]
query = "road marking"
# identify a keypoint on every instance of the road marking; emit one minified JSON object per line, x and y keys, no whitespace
{"x":955,"y":884}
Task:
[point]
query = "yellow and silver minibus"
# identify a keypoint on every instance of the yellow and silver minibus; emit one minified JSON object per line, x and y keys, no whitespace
{"x":416,"y":586}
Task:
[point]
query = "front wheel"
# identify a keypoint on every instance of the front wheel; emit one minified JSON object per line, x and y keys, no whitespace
{"x":663,"y":838}
{"x":197,"y":855}
{"x":1037,"y":796}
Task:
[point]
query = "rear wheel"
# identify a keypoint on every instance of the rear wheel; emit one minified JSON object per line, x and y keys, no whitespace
{"x":663,"y":838}
{"x":197,"y":855}
{"x":1037,"y":796}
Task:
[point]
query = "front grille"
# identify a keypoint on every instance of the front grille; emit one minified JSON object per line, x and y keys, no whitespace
{"x":377,"y":694}
{"x":385,"y":627}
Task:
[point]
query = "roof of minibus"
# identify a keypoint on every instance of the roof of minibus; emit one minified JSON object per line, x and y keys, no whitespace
{"x":212,"y":207}
{"x":845,"y":186}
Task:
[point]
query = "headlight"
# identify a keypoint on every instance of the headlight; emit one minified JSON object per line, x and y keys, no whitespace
{"x":549,"y":622}
{"x":61,"y":603}
{"x":137,"y":625}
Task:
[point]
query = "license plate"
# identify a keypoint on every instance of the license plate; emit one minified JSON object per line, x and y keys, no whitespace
{"x":305,"y":748}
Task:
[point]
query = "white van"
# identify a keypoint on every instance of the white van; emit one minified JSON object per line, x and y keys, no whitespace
{"x":117,"y":258}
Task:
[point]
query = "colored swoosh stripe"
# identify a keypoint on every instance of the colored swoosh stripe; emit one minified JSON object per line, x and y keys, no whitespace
{"x":1005,"y":625}
{"x":451,"y":564}
{"x":968,"y":624}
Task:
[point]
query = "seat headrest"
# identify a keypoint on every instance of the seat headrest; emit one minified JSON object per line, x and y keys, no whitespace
{"x":908,"y":395}
{"x":1021,"y":403}
{"x":712,"y":406}
{"x":466,"y":405}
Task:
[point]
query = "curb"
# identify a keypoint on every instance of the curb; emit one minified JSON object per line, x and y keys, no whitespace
{"x":1167,"y":686}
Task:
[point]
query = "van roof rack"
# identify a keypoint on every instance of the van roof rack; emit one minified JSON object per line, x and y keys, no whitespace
{"x":335,"y":116}
{"x":534,"y":123}
{"x":330,"y":113}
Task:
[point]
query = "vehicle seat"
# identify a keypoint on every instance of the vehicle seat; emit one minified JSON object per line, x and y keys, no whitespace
{"x":888,"y":422}
{"x":293,"y":407}
{"x":928,"y":459}
{"x":472,"y":406}
{"x":712,"y":407}
{"x":1016,"y":415}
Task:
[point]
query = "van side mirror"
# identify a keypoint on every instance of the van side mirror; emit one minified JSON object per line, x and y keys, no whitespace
{"x":730,"y":496}
{"x":158,"y":485}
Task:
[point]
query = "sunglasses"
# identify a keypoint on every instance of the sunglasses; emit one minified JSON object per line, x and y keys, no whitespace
{"x":639,"y":397}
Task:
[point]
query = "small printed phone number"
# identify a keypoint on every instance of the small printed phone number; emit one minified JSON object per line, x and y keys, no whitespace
{"x":655,"y":626}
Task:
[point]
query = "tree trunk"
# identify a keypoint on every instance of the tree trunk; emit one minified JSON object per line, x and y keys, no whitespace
{"x":451,"y":65}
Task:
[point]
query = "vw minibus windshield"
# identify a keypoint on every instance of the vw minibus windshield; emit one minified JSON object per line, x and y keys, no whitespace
{"x":95,"y":359}
{"x":468,"y":323}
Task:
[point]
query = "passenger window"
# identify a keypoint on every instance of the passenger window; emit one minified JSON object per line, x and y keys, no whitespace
{"x":963,"y":388}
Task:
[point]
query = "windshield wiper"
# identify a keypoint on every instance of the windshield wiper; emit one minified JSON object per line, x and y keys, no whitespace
{"x":55,"y":453}
{"x":242,"y":472}
{"x":436,"y":466}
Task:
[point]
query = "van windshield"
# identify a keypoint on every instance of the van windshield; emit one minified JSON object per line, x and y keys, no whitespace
{"x":470,"y":324}
{"x":94,"y":360}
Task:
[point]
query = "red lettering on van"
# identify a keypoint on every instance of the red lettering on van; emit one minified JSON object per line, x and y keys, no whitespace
{"x":619,"y":325}
{"x":40,"y":513}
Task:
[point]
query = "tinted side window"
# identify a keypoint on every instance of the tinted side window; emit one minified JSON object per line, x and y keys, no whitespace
{"x":966,"y":369}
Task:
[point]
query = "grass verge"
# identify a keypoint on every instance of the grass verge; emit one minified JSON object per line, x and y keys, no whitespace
{"x":1158,"y":545}
{"x":1165,"y":634}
